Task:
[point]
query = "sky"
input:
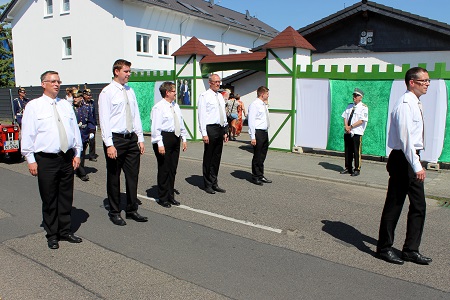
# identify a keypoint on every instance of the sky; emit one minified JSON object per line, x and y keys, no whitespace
{"x":298,"y":13}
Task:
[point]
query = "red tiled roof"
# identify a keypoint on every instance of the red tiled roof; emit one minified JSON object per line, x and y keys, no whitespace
{"x":193,"y":46}
{"x":289,"y":38}
{"x":234,"y":57}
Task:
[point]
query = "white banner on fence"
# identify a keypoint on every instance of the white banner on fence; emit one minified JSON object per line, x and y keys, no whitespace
{"x":434,"y":114}
{"x":313,"y":113}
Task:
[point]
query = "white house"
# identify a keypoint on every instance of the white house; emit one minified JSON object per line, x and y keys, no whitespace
{"x":82,"y":38}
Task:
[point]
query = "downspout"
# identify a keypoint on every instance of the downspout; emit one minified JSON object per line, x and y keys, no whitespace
{"x":181,"y":35}
{"x":221,"y":40}
{"x":256,"y":40}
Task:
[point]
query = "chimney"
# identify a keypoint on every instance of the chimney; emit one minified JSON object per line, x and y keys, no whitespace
{"x":247,"y":15}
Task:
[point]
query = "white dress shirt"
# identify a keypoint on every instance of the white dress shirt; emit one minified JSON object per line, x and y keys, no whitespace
{"x":40,"y":131}
{"x":112,"y":112}
{"x":406,"y":128}
{"x":162,"y":120}
{"x":361,"y":113}
{"x":208,"y":110}
{"x":257,"y":118}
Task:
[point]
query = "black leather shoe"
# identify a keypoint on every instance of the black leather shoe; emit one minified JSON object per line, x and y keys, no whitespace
{"x":136,"y":216}
{"x":71,"y":238}
{"x":93,"y":159}
{"x":416,"y":257}
{"x":174,"y":202}
{"x":210,"y":191}
{"x":390,"y":257}
{"x":165,"y":204}
{"x":356,"y":173}
{"x":117,"y":220}
{"x":265,"y":180}
{"x":53,"y":244}
{"x":257,"y":181}
{"x":218,"y":189}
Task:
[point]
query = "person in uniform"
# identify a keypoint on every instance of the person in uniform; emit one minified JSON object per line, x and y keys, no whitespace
{"x":19,"y":105}
{"x":214,"y":130}
{"x":84,"y":118}
{"x":406,"y":174}
{"x":123,"y":141}
{"x":167,"y":132}
{"x":51,"y":144}
{"x":89,"y":102}
{"x":258,"y":126}
{"x":355,"y":116}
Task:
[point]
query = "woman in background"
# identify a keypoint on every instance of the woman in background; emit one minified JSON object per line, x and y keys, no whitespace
{"x":241,"y":111}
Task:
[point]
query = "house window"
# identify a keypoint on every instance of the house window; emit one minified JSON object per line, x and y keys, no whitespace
{"x":163,"y":45}
{"x":65,"y":6}
{"x":211,"y":47}
{"x":49,"y":7}
{"x":67,"y":47}
{"x":232,"y":51}
{"x":142,"y":43}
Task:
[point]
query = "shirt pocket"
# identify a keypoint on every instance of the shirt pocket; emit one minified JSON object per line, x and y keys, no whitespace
{"x":45,"y":122}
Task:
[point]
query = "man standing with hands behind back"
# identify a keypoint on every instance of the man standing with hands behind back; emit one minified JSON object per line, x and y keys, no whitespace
{"x":356,"y":116}
{"x":123,"y":141}
{"x":213,"y":125}
{"x":258,"y":126}
{"x":51,"y":143}
{"x":406,"y":174}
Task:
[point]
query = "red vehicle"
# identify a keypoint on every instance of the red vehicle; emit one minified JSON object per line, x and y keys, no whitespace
{"x":9,"y":142}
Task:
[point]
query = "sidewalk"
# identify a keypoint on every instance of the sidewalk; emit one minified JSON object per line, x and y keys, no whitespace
{"x":317,"y":166}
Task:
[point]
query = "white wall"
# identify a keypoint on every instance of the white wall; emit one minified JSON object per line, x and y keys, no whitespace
{"x":103,"y":31}
{"x":38,"y":44}
{"x":382,"y":59}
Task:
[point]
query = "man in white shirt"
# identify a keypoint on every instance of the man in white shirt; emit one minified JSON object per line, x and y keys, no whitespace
{"x":406,"y":174}
{"x":51,"y":144}
{"x":167,"y":131}
{"x":123,"y":141}
{"x":212,"y":121}
{"x":258,"y":126}
{"x":355,"y":116}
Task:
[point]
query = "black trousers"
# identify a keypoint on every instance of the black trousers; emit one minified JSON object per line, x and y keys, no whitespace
{"x":128,"y":159}
{"x":212,"y":154}
{"x":260,"y":153}
{"x":81,"y":172}
{"x":167,"y":166}
{"x":352,"y":146}
{"x":92,"y":148}
{"x":402,"y":182}
{"x":55,"y":180}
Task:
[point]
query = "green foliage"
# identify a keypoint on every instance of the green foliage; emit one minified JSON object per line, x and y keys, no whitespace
{"x":6,"y":54}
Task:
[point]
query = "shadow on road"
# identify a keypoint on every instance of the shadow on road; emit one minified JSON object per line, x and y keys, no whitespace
{"x":78,"y":216}
{"x":247,"y":147}
{"x":329,"y":166}
{"x":195,"y":180}
{"x":239,"y":174}
{"x":349,"y":235}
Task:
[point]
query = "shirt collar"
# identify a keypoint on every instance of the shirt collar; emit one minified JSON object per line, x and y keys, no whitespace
{"x":119,"y":86}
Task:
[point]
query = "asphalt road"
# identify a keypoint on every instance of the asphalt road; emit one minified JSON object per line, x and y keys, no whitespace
{"x":297,"y":238}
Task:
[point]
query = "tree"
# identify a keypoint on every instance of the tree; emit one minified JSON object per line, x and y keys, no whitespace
{"x":6,"y":54}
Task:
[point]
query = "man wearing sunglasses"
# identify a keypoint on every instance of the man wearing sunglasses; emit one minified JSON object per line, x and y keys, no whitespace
{"x":355,"y":116}
{"x":19,"y":105}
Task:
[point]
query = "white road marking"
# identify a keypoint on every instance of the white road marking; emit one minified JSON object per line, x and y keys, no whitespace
{"x":204,"y":212}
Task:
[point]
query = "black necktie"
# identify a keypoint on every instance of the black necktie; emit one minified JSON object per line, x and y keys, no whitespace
{"x":351,"y":116}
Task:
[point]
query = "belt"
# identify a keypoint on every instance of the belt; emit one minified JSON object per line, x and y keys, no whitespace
{"x":214,"y":125}
{"x":54,"y":155}
{"x":123,"y":135}
{"x":265,"y":130}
